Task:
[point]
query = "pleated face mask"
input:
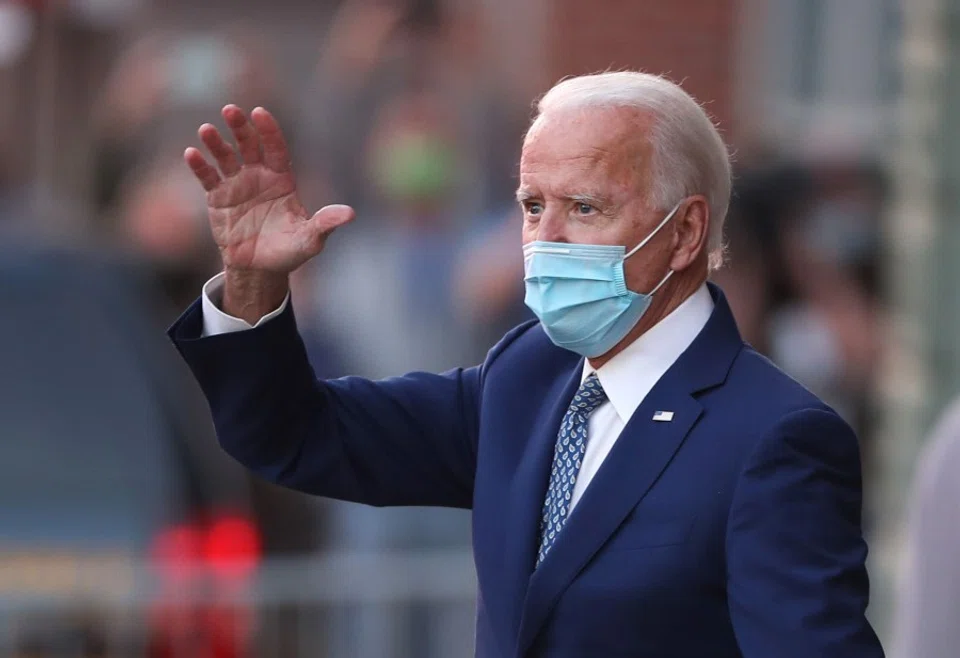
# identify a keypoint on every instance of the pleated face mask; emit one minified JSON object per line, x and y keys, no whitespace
{"x":580,"y":295}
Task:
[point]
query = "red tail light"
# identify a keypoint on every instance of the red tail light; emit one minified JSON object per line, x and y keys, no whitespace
{"x":232,"y":547}
{"x":210,"y":560}
{"x":229,"y":546}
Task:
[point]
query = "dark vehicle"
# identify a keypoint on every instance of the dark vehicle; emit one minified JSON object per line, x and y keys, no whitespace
{"x":112,"y":488}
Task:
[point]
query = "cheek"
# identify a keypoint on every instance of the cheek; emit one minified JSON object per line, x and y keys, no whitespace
{"x":638,"y":274}
{"x":645,"y":269}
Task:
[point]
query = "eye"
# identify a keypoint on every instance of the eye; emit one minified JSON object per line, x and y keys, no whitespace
{"x":584,"y":208}
{"x":533,"y":207}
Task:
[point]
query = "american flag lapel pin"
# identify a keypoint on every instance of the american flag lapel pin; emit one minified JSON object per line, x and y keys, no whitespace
{"x":663,"y":416}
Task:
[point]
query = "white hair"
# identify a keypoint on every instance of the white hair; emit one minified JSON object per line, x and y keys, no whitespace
{"x":689,"y":155}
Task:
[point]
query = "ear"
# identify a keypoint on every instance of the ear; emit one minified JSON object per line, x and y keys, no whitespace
{"x":691,"y":228}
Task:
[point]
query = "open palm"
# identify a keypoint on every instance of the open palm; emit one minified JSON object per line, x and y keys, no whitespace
{"x":255,"y":214}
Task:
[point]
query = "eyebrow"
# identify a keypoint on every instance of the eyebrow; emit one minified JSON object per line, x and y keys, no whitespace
{"x":589,"y":199}
{"x":524,"y":194}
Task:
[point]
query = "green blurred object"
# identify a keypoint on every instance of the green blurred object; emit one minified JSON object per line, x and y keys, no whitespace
{"x":416,"y":167}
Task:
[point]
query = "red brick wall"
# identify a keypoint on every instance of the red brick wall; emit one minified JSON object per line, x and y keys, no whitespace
{"x":687,"y":40}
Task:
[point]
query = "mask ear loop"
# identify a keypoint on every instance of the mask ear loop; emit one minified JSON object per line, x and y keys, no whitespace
{"x":660,"y":285}
{"x":655,"y":231}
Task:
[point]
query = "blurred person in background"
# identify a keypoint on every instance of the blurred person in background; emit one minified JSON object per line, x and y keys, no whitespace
{"x":673,"y":547}
{"x":929,"y":589}
{"x":405,"y":93}
{"x":805,"y":235}
{"x":409,"y":122}
{"x":376,"y":50}
{"x":161,"y":229}
{"x":400,"y":266}
{"x":488,"y":284}
{"x":391,"y":285}
{"x":828,"y":334}
{"x":161,"y":83}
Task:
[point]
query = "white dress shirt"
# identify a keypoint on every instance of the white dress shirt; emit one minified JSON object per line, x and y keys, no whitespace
{"x":627,"y":378}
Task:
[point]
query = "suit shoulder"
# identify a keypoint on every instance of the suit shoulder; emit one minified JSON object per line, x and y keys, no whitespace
{"x":527,"y":339}
{"x":509,"y":339}
{"x":760,"y":406}
{"x":756,"y":375}
{"x":526,"y":351}
{"x":505,"y":344}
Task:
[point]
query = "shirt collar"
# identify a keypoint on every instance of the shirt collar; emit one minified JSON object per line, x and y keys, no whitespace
{"x":628,"y":377}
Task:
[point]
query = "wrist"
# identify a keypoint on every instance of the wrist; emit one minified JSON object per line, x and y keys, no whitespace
{"x":252,"y":294}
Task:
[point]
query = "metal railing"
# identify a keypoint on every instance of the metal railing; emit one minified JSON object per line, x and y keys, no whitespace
{"x":337,"y":605}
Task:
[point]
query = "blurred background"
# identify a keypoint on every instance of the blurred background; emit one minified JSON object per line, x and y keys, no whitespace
{"x":125,"y":532}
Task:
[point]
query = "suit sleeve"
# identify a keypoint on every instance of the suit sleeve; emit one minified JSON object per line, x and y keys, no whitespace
{"x":797,"y":580}
{"x":404,"y":441}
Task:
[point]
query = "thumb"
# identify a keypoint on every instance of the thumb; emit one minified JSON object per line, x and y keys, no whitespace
{"x":330,"y":218}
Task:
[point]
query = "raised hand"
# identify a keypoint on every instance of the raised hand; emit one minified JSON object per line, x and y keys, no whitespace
{"x":258,"y":222}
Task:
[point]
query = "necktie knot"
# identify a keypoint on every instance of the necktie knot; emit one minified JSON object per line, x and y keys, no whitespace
{"x":589,"y":396}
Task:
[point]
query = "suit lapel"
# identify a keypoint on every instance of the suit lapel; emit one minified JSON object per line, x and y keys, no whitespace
{"x":528,"y":488}
{"x":635,"y":462}
{"x":641,"y":453}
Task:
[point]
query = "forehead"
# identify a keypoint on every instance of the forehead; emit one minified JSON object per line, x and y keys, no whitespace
{"x":595,"y":146}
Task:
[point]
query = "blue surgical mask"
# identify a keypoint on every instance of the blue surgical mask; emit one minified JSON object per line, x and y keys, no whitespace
{"x":580,"y":295}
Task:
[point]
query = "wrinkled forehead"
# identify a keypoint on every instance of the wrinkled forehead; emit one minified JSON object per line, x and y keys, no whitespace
{"x":608,"y":144}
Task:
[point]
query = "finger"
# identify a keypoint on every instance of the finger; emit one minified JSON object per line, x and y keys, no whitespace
{"x":248,"y":141}
{"x":207,"y":175}
{"x":319,"y":227}
{"x":224,"y":154}
{"x":276,"y":155}
{"x":330,"y":218}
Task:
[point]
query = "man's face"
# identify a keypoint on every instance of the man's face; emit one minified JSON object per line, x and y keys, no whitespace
{"x":584,"y":178}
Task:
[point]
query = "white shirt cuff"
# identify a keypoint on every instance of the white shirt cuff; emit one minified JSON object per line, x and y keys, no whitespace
{"x":216,"y":321}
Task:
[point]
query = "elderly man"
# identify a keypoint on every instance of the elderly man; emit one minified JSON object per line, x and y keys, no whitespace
{"x":642,"y":482}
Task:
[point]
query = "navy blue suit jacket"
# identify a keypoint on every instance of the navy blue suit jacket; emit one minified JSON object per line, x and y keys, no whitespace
{"x":733,"y":530}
